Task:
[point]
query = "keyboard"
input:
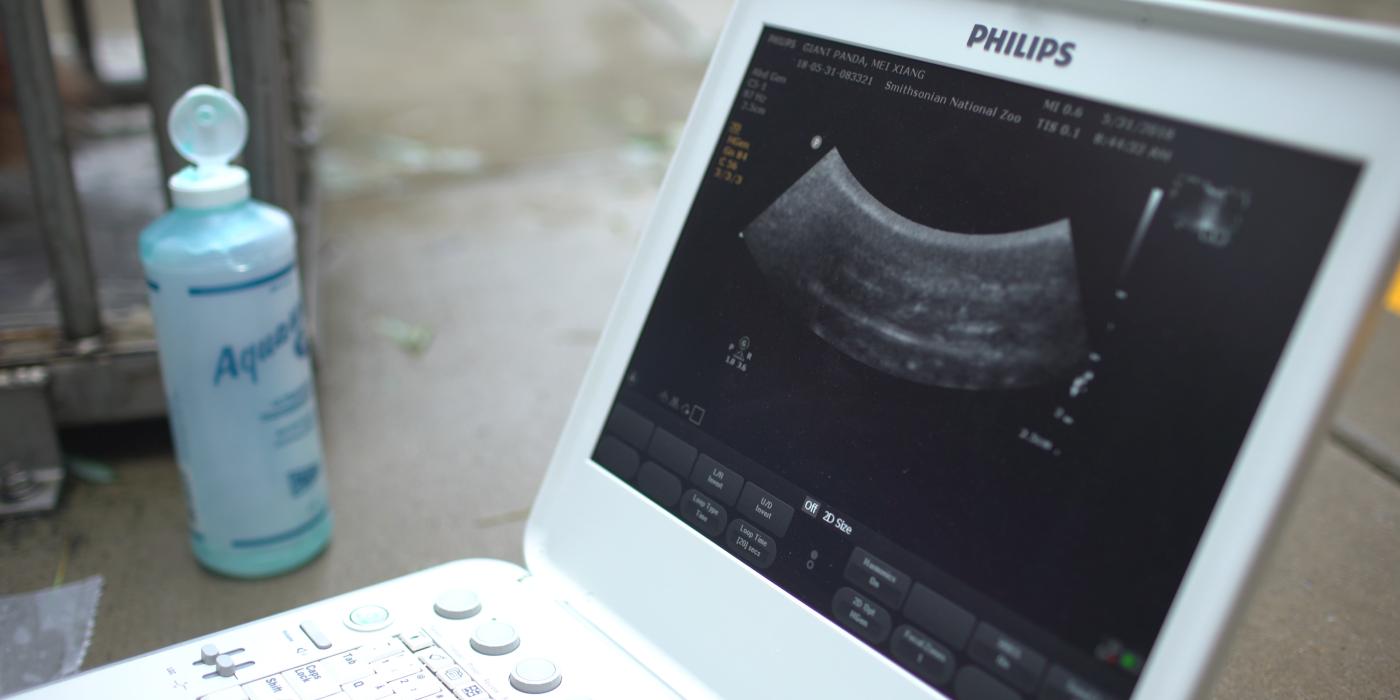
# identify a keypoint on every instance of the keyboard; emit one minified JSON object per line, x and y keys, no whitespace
{"x":474,"y":629}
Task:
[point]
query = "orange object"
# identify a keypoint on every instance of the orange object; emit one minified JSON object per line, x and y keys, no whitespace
{"x":1392,"y":298}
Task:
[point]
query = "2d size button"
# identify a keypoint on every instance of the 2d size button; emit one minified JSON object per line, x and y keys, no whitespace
{"x":457,"y":604}
{"x":872,"y":575}
{"x":616,"y":457}
{"x":926,"y":658}
{"x":494,"y":638}
{"x":939,"y":616}
{"x":671,"y":452}
{"x":535,"y":676}
{"x":658,"y":484}
{"x":751,"y":544}
{"x":766,"y":509}
{"x":703,"y":513}
{"x":368,"y":618}
{"x":861,"y":615}
{"x":629,"y":425}
{"x":1063,"y":685}
{"x":717,"y":480}
{"x":1013,"y":661}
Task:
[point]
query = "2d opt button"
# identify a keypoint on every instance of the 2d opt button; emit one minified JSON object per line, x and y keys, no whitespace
{"x":857,"y":613}
{"x":766,"y":509}
{"x":750,"y":543}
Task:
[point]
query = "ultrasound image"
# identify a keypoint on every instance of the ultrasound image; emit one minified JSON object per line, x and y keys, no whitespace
{"x":960,"y":311}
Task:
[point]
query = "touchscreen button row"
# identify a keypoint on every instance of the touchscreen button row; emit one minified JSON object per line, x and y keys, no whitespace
{"x":879,"y":579}
{"x":717,"y":480}
{"x":703,"y":513}
{"x":1013,"y":661}
{"x":630,"y":426}
{"x":671,"y":452}
{"x":750,"y":543}
{"x":861,"y":615}
{"x":918,"y":652}
{"x":765,"y":508}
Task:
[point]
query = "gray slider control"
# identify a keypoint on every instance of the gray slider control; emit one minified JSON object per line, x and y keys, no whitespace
{"x":458,"y":604}
{"x":223,"y":664}
{"x":314,"y":633}
{"x":536,"y":676}
{"x":495,"y":638}
{"x":208,"y":653}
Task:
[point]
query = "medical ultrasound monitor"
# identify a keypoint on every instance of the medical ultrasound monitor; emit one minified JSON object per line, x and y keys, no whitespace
{"x":963,"y":364}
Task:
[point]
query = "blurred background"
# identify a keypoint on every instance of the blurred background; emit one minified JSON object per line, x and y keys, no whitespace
{"x":470,"y":178}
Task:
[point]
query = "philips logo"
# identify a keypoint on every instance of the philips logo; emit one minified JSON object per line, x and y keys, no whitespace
{"x":1021,"y":45}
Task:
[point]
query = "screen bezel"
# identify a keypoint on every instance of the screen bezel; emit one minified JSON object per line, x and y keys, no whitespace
{"x":632,"y":572}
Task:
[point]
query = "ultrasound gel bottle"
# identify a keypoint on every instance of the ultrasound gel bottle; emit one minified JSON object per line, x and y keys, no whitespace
{"x":222,"y":276}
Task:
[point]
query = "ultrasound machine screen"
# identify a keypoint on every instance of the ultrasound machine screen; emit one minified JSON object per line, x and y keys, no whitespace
{"x":963,"y":364}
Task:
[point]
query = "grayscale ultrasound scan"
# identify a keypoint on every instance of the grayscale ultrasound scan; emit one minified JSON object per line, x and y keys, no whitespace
{"x":946,"y":309}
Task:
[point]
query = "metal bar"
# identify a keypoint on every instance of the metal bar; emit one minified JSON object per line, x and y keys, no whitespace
{"x":258,"y":64}
{"x":81,"y":22}
{"x":298,"y":22}
{"x":177,"y":40}
{"x":51,"y":166}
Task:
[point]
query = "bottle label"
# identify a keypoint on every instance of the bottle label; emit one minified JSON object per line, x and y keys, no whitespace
{"x":237,"y":373}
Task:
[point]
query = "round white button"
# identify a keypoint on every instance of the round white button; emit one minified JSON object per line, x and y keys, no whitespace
{"x":458,"y":604}
{"x":223,"y":663}
{"x":368,"y":618}
{"x":536,"y":676}
{"x":208,"y":653}
{"x":495,"y":638}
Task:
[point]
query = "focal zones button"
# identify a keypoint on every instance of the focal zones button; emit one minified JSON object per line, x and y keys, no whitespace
{"x":861,"y":615}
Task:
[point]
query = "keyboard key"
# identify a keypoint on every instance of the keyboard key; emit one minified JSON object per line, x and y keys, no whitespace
{"x":1006,"y":657}
{"x":234,"y":693}
{"x":765,"y":509}
{"x":369,"y":688}
{"x":671,"y":452}
{"x":859,"y":614}
{"x":416,"y":641}
{"x":417,"y":686}
{"x":381,"y":650}
{"x":630,"y":426}
{"x":346,"y":667}
{"x":396,"y":667}
{"x":659,"y":485}
{"x":939,"y":616}
{"x":270,"y":688}
{"x":872,"y":575}
{"x":717,"y":480}
{"x":435,"y":659}
{"x":310,"y":682}
{"x":973,"y":683}
{"x":454,"y":677}
{"x":617,"y":457}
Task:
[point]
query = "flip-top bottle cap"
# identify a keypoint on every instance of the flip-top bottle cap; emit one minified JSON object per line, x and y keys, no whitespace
{"x":208,"y":127}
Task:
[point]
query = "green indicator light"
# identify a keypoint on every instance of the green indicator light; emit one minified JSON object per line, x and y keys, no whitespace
{"x":1130,"y":661}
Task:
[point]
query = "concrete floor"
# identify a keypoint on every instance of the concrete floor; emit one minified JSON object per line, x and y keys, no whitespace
{"x":487,"y":167}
